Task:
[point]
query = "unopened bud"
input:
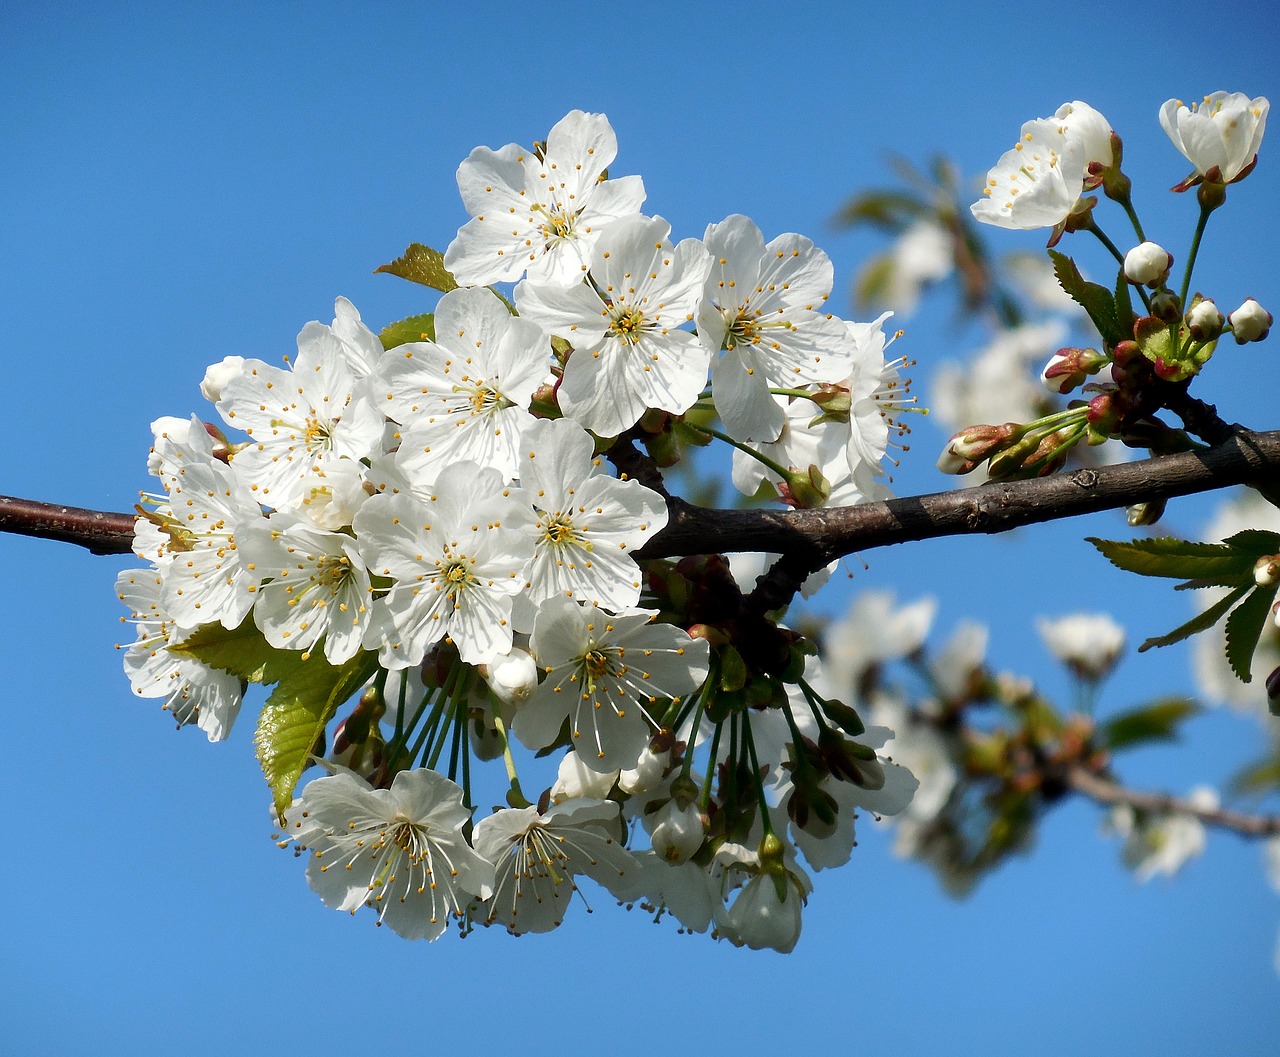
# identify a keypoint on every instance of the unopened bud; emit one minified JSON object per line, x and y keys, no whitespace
{"x":218,"y":375}
{"x":1140,"y":514}
{"x":1266,"y":570}
{"x":1068,"y":368}
{"x":513,"y":676}
{"x":1166,"y":306}
{"x":1147,"y":264}
{"x":676,"y":832}
{"x":973,"y":445}
{"x":1204,"y":321}
{"x":1250,"y":322}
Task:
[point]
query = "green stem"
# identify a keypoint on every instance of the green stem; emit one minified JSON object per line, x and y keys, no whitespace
{"x":704,"y":800}
{"x":1193,"y":253}
{"x":781,"y":471}
{"x":707,"y":689}
{"x":1111,"y":246}
{"x":1133,"y":219}
{"x":765,"y":824}
{"x":516,"y":796}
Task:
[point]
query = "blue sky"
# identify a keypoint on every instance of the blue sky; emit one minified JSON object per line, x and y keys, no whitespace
{"x":184,"y":182}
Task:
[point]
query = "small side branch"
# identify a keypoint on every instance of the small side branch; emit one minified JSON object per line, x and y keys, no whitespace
{"x":1111,"y":794}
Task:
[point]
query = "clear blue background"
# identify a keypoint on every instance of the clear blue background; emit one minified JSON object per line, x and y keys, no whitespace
{"x":183,"y":182}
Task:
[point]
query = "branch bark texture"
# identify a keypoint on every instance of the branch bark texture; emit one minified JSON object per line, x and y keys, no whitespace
{"x":812,"y":538}
{"x":1111,"y":794}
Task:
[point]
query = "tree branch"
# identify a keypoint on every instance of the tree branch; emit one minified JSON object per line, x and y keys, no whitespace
{"x":1107,"y":792}
{"x":813,"y":538}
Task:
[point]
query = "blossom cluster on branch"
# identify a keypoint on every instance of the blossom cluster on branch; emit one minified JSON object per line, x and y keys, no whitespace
{"x":422,"y":521}
{"x":415,"y":539}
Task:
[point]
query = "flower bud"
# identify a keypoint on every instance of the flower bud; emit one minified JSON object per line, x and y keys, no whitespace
{"x":1204,"y":320}
{"x":676,"y":833}
{"x":1266,"y":570}
{"x":218,"y":375}
{"x":1166,"y":307}
{"x":1147,"y":265}
{"x":1250,"y":322}
{"x":1068,"y":368}
{"x":973,"y":445}
{"x":1148,"y":513}
{"x":513,"y":677}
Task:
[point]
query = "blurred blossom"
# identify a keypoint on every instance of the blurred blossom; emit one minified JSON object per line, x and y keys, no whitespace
{"x":1161,"y":844}
{"x":1032,"y":274}
{"x":873,"y":631}
{"x":920,"y":257}
{"x":1087,"y":643}
{"x":997,"y":385}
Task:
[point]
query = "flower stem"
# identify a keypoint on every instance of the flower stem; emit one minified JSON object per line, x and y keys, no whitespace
{"x":1194,"y":252}
{"x":782,"y":472}
{"x":756,"y":780}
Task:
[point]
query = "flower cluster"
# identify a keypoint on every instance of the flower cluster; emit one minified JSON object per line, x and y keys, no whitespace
{"x":423,"y":522}
{"x":1042,"y":182}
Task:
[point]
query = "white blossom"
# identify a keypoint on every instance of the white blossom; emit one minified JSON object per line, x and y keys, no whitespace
{"x":540,"y":214}
{"x":465,"y":396}
{"x":628,"y":353}
{"x":400,"y":850}
{"x":1224,"y":131}
{"x":537,"y":857}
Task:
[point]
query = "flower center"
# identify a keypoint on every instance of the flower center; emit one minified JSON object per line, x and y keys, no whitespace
{"x":560,"y":531}
{"x":628,"y":325}
{"x":317,"y":436}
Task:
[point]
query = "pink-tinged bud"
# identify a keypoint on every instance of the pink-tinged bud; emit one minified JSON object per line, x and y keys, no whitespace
{"x":975,"y":444}
{"x":1147,"y":265}
{"x":1068,"y":368}
{"x":1204,"y":321}
{"x":1266,"y":570}
{"x":221,"y":446}
{"x":1250,"y":322}
{"x":1104,"y":413}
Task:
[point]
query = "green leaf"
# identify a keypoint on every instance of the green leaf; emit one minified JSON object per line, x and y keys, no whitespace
{"x":422,"y":264}
{"x":1157,"y":721}
{"x":1096,"y":300}
{"x":415,"y":328}
{"x":242,"y":652}
{"x":1179,"y":559}
{"x":889,"y":211}
{"x":1244,"y":628}
{"x":1259,"y":777}
{"x":1201,"y":622}
{"x":1254,"y":542}
{"x":295,"y":715}
{"x":873,"y":281}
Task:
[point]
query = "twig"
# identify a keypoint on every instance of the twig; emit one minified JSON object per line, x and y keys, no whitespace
{"x":1110,"y":793}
